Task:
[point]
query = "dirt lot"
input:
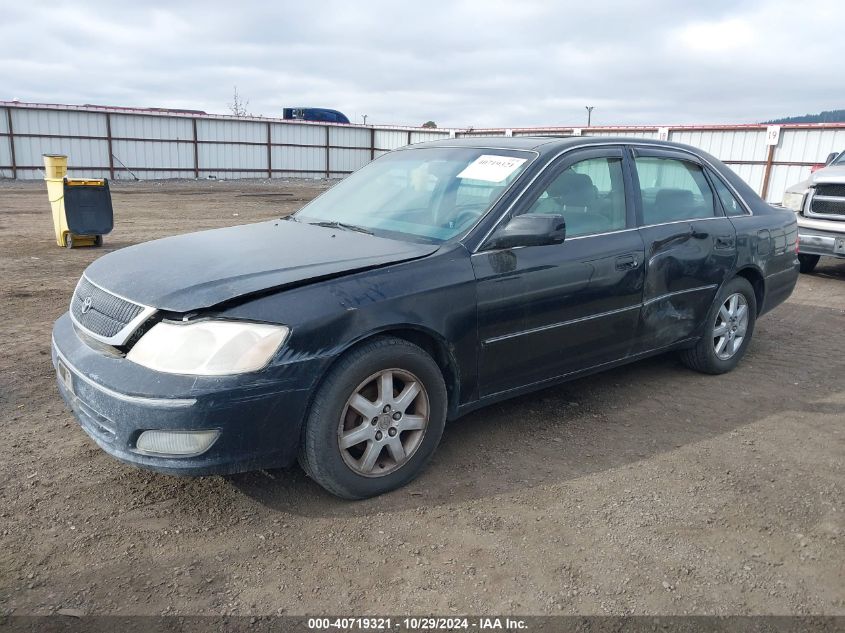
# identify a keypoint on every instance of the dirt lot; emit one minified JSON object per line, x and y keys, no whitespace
{"x":648,"y":489}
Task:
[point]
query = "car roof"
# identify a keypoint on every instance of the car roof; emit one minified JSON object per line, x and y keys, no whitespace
{"x":543,"y":144}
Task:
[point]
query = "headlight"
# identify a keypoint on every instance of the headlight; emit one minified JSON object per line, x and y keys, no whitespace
{"x":208,"y":348}
{"x":793,"y":201}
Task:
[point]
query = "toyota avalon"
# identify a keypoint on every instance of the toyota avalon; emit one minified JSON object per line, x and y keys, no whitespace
{"x":438,"y":279}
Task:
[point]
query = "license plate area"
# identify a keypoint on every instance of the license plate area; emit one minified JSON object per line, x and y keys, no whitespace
{"x":65,"y":376}
{"x":839,"y":246}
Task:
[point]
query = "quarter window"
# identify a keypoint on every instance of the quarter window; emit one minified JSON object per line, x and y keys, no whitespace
{"x":590,"y":195}
{"x":731,"y":205}
{"x":673,"y":190}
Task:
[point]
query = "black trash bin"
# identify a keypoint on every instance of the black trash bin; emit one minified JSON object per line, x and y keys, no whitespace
{"x":88,"y":209}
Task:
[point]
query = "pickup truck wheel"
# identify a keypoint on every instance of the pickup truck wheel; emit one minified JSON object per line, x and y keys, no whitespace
{"x":807,"y":263}
{"x":728,"y":329}
{"x":375,"y":421}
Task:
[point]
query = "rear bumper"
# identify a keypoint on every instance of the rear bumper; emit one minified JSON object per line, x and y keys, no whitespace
{"x":779,"y":286}
{"x":258,"y":415}
{"x":819,"y":242}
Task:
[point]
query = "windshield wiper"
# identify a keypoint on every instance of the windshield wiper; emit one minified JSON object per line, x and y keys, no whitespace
{"x":331,"y":224}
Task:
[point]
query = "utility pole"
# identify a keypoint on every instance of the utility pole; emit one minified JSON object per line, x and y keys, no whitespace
{"x":589,"y":114}
{"x":364,"y":116}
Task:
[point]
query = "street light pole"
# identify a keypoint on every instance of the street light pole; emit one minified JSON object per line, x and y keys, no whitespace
{"x":364,"y":116}
{"x":589,"y":114}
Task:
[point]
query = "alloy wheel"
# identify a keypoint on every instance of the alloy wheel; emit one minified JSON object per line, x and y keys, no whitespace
{"x":731,"y":326}
{"x":383,"y":422}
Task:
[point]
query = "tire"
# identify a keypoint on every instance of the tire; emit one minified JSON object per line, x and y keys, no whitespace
{"x":705,"y":357}
{"x":807,"y":263}
{"x":98,"y":240}
{"x":351,"y":472}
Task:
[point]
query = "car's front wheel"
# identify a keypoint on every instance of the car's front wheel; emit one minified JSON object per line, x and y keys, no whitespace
{"x":728,"y":329}
{"x":376,"y":419}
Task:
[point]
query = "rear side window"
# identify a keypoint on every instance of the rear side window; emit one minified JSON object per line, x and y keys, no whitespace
{"x":731,"y":205}
{"x":673,"y":190}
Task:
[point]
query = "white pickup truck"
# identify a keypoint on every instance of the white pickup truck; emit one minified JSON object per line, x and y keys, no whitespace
{"x":819,"y":202}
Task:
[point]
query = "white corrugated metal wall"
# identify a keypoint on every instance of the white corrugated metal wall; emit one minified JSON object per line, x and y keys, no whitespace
{"x":5,"y":145}
{"x":112,"y":142}
{"x":796,"y":146}
{"x":736,"y":148}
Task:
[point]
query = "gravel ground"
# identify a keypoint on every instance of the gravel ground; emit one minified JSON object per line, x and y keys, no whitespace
{"x":645,"y":490}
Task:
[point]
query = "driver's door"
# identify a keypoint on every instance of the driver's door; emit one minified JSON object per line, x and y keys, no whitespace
{"x":547,"y":311}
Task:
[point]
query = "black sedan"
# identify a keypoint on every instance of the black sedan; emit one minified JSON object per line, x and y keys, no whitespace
{"x":439,"y":278}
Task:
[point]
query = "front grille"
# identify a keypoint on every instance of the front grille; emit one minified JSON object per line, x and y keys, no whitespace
{"x":835,"y":190}
{"x":827,"y":207}
{"x":106,"y":315}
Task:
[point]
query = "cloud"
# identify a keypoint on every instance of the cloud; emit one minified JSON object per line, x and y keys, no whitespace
{"x":472,"y":62}
{"x":719,"y":37}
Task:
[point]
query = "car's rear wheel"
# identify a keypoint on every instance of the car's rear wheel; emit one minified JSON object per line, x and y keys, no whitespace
{"x":376,"y":419}
{"x":807,"y":263}
{"x":728,"y":329}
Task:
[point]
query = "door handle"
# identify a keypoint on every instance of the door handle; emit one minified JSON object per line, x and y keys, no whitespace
{"x":696,"y":234}
{"x":626,"y":262}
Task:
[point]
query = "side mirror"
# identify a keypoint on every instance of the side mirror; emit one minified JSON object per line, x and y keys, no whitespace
{"x":830,"y":158}
{"x":529,"y":229}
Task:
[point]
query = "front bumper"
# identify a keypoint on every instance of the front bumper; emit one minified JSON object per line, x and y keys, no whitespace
{"x":259,"y":415}
{"x":814,"y":241}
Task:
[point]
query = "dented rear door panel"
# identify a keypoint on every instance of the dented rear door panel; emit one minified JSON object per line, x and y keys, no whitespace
{"x":686,"y":263}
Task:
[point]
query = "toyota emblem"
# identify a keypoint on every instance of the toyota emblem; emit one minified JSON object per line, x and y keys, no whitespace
{"x":86,"y":304}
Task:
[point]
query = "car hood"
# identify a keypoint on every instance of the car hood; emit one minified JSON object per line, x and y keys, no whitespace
{"x":199,"y":270}
{"x":830,"y":174}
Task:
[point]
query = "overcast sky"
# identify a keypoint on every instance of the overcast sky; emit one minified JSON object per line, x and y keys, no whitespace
{"x":480,"y":63}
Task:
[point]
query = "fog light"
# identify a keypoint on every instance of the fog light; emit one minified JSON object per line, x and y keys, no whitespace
{"x":176,"y":443}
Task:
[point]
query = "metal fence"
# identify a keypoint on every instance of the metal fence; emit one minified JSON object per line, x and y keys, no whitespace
{"x":125,"y":142}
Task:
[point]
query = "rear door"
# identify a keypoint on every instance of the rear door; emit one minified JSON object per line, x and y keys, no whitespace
{"x":690,"y":246}
{"x":546,"y":311}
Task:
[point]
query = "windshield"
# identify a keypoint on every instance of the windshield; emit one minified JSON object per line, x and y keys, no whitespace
{"x":839,"y":160}
{"x":431,"y":194}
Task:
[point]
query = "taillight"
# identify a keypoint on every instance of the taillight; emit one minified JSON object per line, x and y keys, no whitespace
{"x":816,"y":167}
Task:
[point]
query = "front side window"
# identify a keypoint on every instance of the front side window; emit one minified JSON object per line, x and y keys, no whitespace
{"x":425,"y":194}
{"x":731,"y":205}
{"x":590,"y":195}
{"x":673,"y":190}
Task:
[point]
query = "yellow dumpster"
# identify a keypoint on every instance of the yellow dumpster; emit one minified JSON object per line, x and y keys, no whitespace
{"x":82,"y":208}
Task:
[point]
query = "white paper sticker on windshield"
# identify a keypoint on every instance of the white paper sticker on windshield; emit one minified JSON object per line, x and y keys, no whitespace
{"x":491,"y":168}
